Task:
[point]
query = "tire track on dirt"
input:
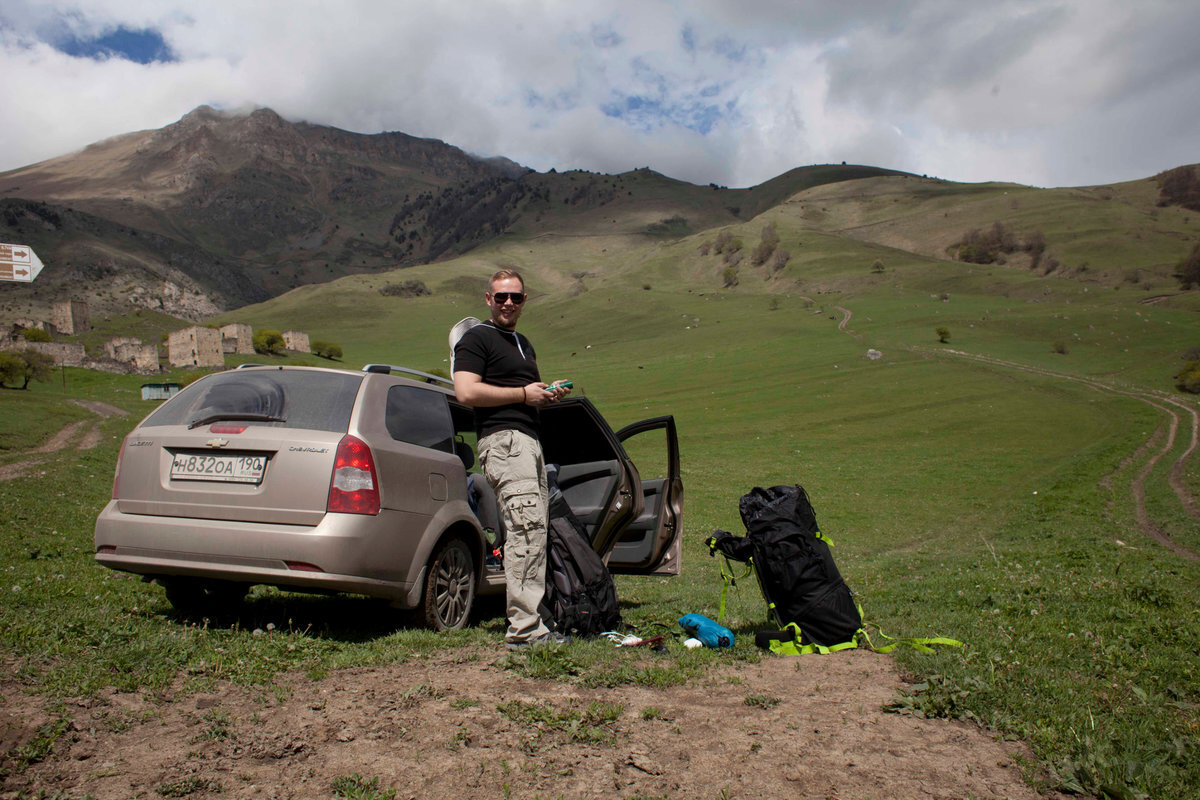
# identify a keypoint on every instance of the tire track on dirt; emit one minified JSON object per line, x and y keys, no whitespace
{"x":1138,"y":484}
{"x":84,"y":434}
{"x":1161,"y":401}
{"x":846,"y":316}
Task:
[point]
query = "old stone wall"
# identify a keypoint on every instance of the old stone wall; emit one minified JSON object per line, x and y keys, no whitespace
{"x":237,"y":337}
{"x":70,"y":317}
{"x":296,"y":341}
{"x":195,"y":347}
{"x":64,"y":354}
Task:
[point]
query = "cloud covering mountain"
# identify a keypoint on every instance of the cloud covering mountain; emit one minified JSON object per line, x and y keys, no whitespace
{"x":1046,"y":92}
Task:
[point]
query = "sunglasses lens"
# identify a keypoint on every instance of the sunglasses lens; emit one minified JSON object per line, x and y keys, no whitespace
{"x":504,"y":297}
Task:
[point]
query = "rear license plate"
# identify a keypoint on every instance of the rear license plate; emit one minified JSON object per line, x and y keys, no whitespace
{"x":223,"y":467}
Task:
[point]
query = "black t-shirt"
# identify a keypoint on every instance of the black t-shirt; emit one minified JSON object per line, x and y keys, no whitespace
{"x":501,"y":358}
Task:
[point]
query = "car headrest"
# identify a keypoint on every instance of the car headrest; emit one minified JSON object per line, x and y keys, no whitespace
{"x":465,"y":454}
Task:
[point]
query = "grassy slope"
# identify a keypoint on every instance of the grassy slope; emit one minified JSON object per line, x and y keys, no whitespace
{"x":967,"y":500}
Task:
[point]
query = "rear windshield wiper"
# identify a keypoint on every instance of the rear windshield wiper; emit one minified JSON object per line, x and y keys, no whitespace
{"x":233,"y":416}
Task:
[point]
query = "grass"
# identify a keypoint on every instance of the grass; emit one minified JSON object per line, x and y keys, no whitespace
{"x":971,"y":499}
{"x":358,"y":787}
{"x":592,"y":725}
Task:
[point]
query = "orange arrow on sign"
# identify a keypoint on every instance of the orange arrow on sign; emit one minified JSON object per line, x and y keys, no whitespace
{"x":20,"y":253}
{"x":21,"y":272}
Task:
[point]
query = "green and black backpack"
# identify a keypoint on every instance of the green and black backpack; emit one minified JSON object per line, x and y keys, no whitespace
{"x":807,"y":599}
{"x":795,"y":568}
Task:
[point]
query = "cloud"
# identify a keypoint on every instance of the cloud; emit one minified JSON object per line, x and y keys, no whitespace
{"x":1049,"y":92}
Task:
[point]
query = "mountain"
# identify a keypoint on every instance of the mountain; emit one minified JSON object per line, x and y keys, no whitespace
{"x":235,"y":207}
{"x":219,"y":210}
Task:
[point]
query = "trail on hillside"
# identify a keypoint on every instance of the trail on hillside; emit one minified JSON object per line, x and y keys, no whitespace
{"x":1171,"y":406}
{"x":82,"y":434}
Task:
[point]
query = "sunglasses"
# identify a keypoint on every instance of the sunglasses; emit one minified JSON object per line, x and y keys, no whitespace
{"x":503,"y":297}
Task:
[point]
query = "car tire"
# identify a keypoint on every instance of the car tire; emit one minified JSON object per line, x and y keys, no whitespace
{"x":449,"y":586}
{"x":194,"y":597}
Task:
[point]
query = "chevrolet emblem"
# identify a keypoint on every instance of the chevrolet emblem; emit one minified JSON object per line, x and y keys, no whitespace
{"x":217,"y":442}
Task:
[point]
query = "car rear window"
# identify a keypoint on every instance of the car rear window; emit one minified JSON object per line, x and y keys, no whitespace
{"x":303,"y":399}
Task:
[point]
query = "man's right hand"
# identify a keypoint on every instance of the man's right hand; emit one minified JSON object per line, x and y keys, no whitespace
{"x":536,"y":394}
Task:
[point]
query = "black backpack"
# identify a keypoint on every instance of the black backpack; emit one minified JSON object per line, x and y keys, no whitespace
{"x":795,"y":569}
{"x":581,"y":598}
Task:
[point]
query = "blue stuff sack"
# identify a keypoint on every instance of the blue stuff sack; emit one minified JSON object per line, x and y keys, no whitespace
{"x":710,"y":633}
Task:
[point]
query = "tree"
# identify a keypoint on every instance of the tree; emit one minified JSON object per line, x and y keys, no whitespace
{"x":1179,"y":186}
{"x":330,"y":350}
{"x":943,"y":334}
{"x":768,"y":241}
{"x":1188,"y":270}
{"x":1188,"y":379}
{"x":780,"y":260}
{"x":724,"y":238}
{"x":878,"y":267}
{"x":268,"y":341}
{"x":24,"y":366}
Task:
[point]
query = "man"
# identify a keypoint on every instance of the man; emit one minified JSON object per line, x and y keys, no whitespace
{"x":496,"y":372}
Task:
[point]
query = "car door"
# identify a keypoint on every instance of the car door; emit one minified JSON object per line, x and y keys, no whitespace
{"x":651,"y":543}
{"x":593,"y":471}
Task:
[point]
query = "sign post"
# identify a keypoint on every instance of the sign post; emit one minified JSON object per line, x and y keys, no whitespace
{"x":18,"y":263}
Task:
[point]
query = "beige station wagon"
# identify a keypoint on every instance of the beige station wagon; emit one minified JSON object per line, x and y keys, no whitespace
{"x":325,"y":480}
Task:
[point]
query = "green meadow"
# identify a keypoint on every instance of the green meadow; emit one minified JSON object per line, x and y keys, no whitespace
{"x":981,"y":488}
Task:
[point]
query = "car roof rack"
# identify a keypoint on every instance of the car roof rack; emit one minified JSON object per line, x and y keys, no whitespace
{"x":425,"y":376}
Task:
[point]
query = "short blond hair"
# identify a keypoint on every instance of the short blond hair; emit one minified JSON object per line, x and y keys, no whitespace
{"x":505,"y":274}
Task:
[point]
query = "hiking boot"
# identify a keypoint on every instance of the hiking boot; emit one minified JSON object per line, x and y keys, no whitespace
{"x":545,"y":640}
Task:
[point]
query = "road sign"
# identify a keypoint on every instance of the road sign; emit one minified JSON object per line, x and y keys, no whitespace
{"x":18,"y":263}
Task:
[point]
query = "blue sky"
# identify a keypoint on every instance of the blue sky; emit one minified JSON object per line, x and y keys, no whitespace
{"x":1043,"y":92}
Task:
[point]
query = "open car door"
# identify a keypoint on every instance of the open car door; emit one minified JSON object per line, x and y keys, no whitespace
{"x":635,"y":524}
{"x":651,"y":543}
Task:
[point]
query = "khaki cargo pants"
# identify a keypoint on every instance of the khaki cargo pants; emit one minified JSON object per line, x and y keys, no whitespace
{"x":512,"y":463}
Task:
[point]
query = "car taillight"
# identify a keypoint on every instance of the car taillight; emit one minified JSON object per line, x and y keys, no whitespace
{"x":117,"y":471}
{"x":353,"y":489}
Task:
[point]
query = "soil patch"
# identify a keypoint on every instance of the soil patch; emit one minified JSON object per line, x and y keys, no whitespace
{"x":466,"y":725}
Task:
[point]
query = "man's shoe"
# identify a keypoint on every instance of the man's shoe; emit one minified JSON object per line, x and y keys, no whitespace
{"x":546,"y":639}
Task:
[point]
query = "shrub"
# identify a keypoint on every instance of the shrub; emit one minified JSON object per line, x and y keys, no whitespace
{"x":1180,"y":187}
{"x":768,"y":241}
{"x":36,"y":335}
{"x":990,"y":246}
{"x":330,"y":350}
{"x":1188,"y":270}
{"x":780,"y":260}
{"x":943,"y":333}
{"x":1060,"y":347}
{"x":413,"y":288}
{"x":675,"y":226}
{"x":730,"y":277}
{"x":878,"y":267}
{"x":268,"y":341}
{"x":1188,"y":379}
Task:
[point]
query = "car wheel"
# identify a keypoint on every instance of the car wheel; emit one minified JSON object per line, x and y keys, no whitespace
{"x":194,"y":597}
{"x":449,"y":586}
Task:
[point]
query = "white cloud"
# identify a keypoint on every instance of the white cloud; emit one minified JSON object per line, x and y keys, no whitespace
{"x":1049,"y":92}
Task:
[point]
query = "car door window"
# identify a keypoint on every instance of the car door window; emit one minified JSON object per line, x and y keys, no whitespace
{"x":420,"y":417}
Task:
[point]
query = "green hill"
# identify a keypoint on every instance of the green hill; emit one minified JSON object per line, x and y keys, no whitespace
{"x":1027,"y":487}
